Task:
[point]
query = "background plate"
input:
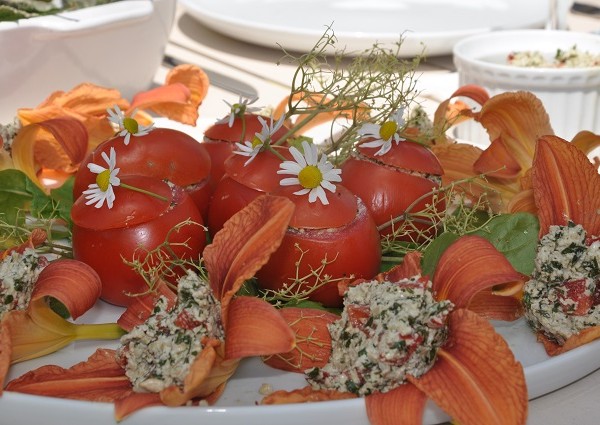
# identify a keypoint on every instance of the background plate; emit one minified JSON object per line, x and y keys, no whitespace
{"x":435,"y":25}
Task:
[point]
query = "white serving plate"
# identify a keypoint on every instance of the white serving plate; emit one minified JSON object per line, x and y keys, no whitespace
{"x":237,"y":405}
{"x":433,"y":25}
{"x":118,"y":45}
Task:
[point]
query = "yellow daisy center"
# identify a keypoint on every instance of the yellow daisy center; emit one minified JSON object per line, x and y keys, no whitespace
{"x":388,"y":129}
{"x":310,"y":176}
{"x":130,"y":125}
{"x":256,"y":142}
{"x":103,"y":180}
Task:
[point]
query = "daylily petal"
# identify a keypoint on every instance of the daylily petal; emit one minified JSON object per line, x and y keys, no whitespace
{"x":566,"y":186}
{"x":586,"y":141}
{"x":36,"y":238}
{"x":133,"y":402}
{"x":305,"y":395}
{"x":75,"y":284}
{"x":313,"y":340}
{"x":404,"y":404}
{"x":514,"y":122}
{"x":490,"y":305}
{"x":85,"y":102}
{"x":476,"y":378}
{"x":458,"y":159}
{"x":447,"y":115}
{"x":5,"y":353}
{"x":59,"y":144}
{"x":244,"y":244}
{"x":40,"y":331}
{"x":185,"y":88}
{"x":255,"y":328}
{"x":99,"y":378}
{"x":460,"y":275}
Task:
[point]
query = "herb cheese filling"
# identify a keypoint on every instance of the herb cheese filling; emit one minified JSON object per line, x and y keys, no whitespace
{"x":563,"y":296}
{"x":158,"y":353}
{"x":387,"y":330}
{"x":18,"y":274}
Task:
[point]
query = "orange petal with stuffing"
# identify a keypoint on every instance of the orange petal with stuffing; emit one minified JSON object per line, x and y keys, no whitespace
{"x":313,"y":340}
{"x":583,"y":337}
{"x":141,"y":307}
{"x":244,"y":245}
{"x":460,"y":275}
{"x":404,"y":404}
{"x":59,"y":144}
{"x":255,"y":328}
{"x":207,"y":374}
{"x":476,"y":379}
{"x":566,"y":186}
{"x":99,"y":378}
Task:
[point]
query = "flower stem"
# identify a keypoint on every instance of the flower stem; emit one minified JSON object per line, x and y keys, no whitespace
{"x":99,"y":331}
{"x":146,"y":192}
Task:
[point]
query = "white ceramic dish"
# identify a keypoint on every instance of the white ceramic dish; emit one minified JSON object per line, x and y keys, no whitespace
{"x":118,"y":45}
{"x":431,"y":24}
{"x":237,"y":406}
{"x":571,"y":96}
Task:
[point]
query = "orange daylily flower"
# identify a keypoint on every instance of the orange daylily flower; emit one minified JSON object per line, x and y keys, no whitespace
{"x":566,"y":186}
{"x":57,"y":134}
{"x":38,"y":330}
{"x":514,"y":122}
{"x":252,"y":326}
{"x":475,"y":378}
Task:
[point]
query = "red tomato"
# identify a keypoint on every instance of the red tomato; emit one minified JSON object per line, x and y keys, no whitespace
{"x":220,"y":139}
{"x":390,"y":183}
{"x":243,"y":182}
{"x":342,"y":233}
{"x":137,"y":223}
{"x":163,"y":153}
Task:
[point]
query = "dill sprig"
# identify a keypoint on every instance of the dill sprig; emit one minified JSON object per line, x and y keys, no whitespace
{"x":365,"y":86}
{"x":161,"y":264}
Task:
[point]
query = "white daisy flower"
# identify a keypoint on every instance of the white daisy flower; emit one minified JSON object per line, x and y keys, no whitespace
{"x":238,"y":109}
{"x":385,"y":133}
{"x":127,"y":126}
{"x":102,"y":190}
{"x":314,"y":174}
{"x":252,"y":148}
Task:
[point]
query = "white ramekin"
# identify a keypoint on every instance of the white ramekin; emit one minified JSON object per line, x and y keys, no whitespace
{"x":571,"y":96}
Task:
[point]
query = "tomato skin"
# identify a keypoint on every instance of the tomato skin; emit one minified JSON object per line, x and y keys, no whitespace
{"x":163,"y":153}
{"x":387,"y":184}
{"x":352,"y":249}
{"x":103,"y":237}
{"x":242,"y":183}
{"x":220,"y":140}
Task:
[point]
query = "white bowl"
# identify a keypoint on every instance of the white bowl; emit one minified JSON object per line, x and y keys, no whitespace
{"x":118,"y":45}
{"x":571,"y":96}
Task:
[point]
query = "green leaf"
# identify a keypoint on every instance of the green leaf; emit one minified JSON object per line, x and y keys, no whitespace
{"x":515,"y":236}
{"x":56,"y":205}
{"x":434,"y":251}
{"x":14,"y":196}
